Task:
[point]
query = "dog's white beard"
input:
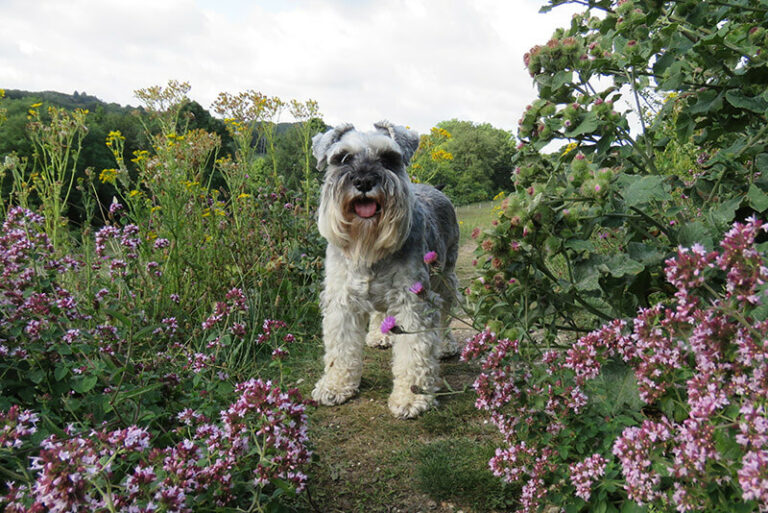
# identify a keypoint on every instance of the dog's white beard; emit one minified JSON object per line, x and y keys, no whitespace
{"x":365,"y":241}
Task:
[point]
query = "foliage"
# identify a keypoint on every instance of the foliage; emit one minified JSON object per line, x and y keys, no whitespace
{"x":584,"y":235}
{"x":677,"y":395}
{"x":471,"y":161}
{"x":105,"y":336}
{"x":88,"y":359}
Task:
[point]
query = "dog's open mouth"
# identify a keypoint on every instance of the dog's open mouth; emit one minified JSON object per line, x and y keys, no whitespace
{"x":366,"y":208}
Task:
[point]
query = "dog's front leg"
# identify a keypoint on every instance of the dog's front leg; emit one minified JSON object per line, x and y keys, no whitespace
{"x":415,"y":366}
{"x":343,"y":333}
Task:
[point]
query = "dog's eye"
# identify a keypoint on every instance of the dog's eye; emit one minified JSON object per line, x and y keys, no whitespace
{"x":391,"y":159}
{"x":339,"y":158}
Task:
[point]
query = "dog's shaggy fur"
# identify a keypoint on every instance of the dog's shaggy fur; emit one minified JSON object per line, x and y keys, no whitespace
{"x":379,"y":226}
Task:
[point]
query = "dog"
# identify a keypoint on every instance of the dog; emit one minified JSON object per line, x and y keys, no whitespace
{"x":379,"y":227}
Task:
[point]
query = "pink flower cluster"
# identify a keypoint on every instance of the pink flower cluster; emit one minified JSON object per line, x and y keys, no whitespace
{"x":585,"y":473}
{"x":235,"y":302}
{"x":29,"y":298}
{"x":262,"y":436}
{"x":15,"y":425}
{"x":703,"y":354}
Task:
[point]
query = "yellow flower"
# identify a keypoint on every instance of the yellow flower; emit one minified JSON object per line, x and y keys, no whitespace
{"x":151,"y":235}
{"x":108,"y":175}
{"x":440,"y":154}
{"x":139,"y":155}
{"x":499,"y":196}
{"x":134,"y":193}
{"x":36,"y":105}
{"x":244,"y":195}
{"x":155,"y":208}
{"x":670,"y":96}
{"x":571,"y":146}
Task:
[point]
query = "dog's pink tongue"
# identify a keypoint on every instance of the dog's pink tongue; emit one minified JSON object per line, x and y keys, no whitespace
{"x":365,"y":208}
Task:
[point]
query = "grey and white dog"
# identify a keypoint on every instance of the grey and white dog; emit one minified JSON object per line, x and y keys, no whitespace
{"x":379,"y":226}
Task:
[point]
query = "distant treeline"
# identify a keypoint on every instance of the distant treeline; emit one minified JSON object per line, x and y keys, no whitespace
{"x":471,"y":161}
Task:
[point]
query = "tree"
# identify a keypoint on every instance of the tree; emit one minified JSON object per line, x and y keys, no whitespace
{"x":472,"y":161}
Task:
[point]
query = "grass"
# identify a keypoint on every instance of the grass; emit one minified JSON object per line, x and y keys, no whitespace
{"x":476,"y":215}
{"x":368,"y":461}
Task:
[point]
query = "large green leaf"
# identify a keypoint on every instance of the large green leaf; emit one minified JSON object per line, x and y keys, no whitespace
{"x":742,"y":101}
{"x":644,"y":190}
{"x":758,"y":199}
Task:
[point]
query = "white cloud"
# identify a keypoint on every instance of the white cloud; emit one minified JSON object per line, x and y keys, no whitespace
{"x":415,"y":62}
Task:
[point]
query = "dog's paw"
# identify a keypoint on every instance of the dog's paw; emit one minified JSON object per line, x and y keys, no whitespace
{"x":329,"y":395}
{"x":407,"y":405}
{"x":378,"y":340}
{"x":450,"y":348}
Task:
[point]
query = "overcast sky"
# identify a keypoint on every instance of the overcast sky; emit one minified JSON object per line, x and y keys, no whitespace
{"x":414,"y":62}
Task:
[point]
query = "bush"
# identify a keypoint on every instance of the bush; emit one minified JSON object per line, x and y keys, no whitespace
{"x":113,"y":377}
{"x":668,"y":409}
{"x":583,"y":237}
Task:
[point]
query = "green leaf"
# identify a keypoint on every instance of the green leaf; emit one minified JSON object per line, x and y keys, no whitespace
{"x":646,"y":189}
{"x":86,"y":384}
{"x":761,"y":163}
{"x":708,"y":101}
{"x":693,"y":233}
{"x":579,"y":245}
{"x":631,"y":507}
{"x":644,"y":253}
{"x":561,"y":78}
{"x":622,"y":265}
{"x":742,"y":101}
{"x":36,"y":376}
{"x":725,"y":211}
{"x":60,"y":372}
{"x":588,"y":125}
{"x":758,"y":199}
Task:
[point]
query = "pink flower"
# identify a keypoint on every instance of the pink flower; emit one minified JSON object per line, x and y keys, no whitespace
{"x":417,"y":288}
{"x":388,"y":324}
{"x":430,"y":257}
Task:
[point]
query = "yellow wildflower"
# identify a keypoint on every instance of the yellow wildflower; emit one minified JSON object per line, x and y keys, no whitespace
{"x":244,"y":195}
{"x":134,"y":193}
{"x":440,"y":154}
{"x":499,"y":196}
{"x":571,"y":146}
{"x":108,"y":175}
{"x":36,"y":105}
{"x":155,"y":208}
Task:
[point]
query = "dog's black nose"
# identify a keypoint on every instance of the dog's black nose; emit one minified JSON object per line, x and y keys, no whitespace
{"x":366,"y":182}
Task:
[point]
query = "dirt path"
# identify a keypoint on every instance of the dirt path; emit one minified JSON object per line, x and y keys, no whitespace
{"x":368,"y":461}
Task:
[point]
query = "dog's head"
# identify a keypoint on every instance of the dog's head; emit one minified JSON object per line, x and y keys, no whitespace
{"x":365,"y":207}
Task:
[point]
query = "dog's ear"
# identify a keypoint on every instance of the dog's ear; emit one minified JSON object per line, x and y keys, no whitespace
{"x":408,"y":140}
{"x":321,"y":143}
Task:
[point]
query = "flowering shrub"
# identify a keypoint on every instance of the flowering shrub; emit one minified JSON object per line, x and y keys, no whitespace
{"x":87,"y":377}
{"x":260,"y":439}
{"x":668,"y":409}
{"x":656,"y":114}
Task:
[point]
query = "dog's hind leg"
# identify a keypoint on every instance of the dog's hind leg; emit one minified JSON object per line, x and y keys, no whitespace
{"x":375,"y":338}
{"x":446,"y":285}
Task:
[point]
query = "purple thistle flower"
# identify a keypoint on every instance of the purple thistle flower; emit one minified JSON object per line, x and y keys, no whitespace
{"x":430,"y":257}
{"x":417,"y":288}
{"x":388,"y":324}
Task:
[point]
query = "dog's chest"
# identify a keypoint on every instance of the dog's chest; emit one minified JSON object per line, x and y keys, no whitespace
{"x":371,"y":289}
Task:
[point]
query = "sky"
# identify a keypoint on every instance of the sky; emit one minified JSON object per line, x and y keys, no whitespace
{"x":412,"y":62}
